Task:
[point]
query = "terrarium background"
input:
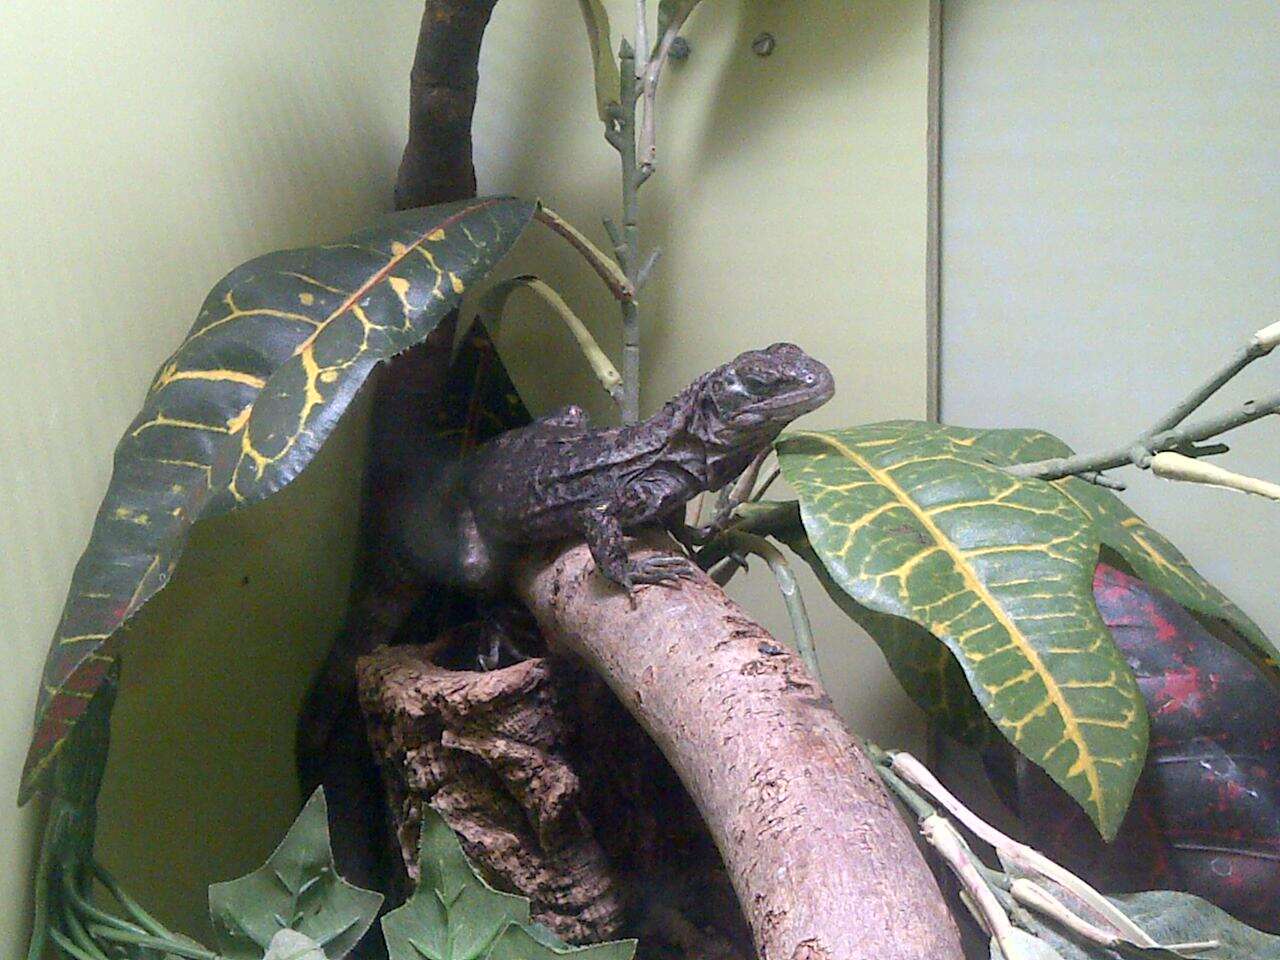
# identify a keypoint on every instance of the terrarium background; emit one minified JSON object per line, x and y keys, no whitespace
{"x":1109,"y":219}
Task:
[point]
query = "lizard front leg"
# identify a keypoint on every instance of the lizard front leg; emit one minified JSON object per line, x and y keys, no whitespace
{"x":603,"y":533}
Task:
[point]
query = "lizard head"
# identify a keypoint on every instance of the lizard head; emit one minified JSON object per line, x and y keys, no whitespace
{"x":759,"y":392}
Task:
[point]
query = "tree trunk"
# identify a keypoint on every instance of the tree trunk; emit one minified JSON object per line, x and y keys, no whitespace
{"x":824,"y":866}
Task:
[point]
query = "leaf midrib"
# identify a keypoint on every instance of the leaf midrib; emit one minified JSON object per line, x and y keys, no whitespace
{"x":1071,"y":725}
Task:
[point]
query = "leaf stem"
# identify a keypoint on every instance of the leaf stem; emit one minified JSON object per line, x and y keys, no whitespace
{"x":143,"y":919}
{"x":618,"y":283}
{"x":801,"y":628}
{"x":491,"y":307}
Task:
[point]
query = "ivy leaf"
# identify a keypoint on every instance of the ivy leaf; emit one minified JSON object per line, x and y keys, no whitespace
{"x":918,"y":521}
{"x":292,"y":945}
{"x":455,"y":915}
{"x":276,"y":354}
{"x":520,"y":943}
{"x":608,"y":80}
{"x":297,"y":889}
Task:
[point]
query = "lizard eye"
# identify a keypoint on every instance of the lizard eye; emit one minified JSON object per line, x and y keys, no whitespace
{"x":733,"y":385}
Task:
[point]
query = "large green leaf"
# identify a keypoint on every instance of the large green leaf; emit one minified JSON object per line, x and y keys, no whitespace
{"x":298,"y":889}
{"x":925,"y":668}
{"x":918,"y":521}
{"x":454,"y":915}
{"x":278,"y":350}
{"x":1150,"y":555}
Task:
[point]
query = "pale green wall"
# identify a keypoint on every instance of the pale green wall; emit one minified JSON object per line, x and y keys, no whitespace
{"x":148,"y":147}
{"x":1110,"y":228}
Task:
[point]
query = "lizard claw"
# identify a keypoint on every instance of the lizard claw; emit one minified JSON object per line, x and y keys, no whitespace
{"x":664,"y":570}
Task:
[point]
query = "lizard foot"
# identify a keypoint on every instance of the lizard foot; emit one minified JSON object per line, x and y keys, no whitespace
{"x":664,"y":570}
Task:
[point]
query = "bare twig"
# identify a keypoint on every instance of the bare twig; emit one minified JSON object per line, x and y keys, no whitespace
{"x":1259,"y":345}
{"x":1024,"y":857}
{"x":1168,"y":434}
{"x":617,"y":282}
{"x":1140,"y":452}
{"x":1175,"y":466}
{"x":648,"y":152}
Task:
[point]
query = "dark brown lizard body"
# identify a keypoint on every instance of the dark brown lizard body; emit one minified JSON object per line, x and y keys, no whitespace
{"x":558,"y":478}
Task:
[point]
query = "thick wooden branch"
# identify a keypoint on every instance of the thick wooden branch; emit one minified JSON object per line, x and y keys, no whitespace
{"x":823,"y":864}
{"x":436,"y":166}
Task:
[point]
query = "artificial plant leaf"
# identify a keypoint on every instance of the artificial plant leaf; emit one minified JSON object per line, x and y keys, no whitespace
{"x":916,"y":521}
{"x":520,"y":943}
{"x":292,"y":945}
{"x":608,"y":81}
{"x":926,"y":669}
{"x":1149,"y":554}
{"x":1024,"y":946}
{"x":1175,"y":920}
{"x":278,"y":350}
{"x":299,"y":889}
{"x":453,"y":914}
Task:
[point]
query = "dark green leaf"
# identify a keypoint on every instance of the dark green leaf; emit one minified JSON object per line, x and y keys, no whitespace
{"x":1025,"y":946}
{"x":278,"y":350}
{"x":608,"y":81}
{"x":1152,"y":558}
{"x":298,"y":888}
{"x":454,"y":915}
{"x":518,"y":943}
{"x":918,"y":521}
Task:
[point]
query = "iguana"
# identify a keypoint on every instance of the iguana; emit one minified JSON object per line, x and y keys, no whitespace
{"x":559,"y":478}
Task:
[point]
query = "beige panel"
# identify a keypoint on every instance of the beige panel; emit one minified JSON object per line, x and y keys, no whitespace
{"x":149,"y":147}
{"x":1111,"y":221}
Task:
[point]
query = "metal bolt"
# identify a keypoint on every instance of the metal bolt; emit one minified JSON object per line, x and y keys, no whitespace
{"x":679,"y":49}
{"x":763,"y":45}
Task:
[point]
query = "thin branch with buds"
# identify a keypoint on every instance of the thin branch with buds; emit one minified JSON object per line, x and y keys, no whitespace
{"x":1172,"y":435}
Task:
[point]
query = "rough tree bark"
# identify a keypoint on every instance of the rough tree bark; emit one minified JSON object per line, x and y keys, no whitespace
{"x":824,"y":866}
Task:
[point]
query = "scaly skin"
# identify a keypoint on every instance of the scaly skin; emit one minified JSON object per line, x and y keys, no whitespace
{"x":558,"y":478}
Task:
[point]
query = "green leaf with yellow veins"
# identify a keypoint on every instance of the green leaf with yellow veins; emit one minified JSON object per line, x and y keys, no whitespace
{"x":1147,"y":553}
{"x":277,"y":352}
{"x":926,"y":669}
{"x":919,"y":521}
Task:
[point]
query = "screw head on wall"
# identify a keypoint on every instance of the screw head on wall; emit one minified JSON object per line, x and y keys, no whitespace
{"x":763,"y":45}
